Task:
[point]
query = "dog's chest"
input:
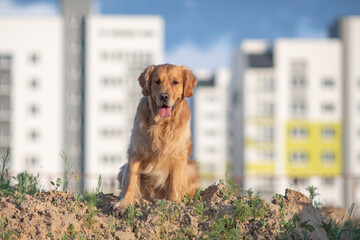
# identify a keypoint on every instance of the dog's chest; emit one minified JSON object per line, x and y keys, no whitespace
{"x":167,"y":140}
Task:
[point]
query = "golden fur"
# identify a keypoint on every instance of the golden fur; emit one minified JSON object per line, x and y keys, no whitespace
{"x":160,"y":147}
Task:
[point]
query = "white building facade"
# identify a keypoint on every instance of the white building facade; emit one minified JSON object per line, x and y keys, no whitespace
{"x":210,"y":124}
{"x":31,"y":111}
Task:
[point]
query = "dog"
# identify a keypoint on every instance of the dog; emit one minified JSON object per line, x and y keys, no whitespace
{"x":158,"y":164}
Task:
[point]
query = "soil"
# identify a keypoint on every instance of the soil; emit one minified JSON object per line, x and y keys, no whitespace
{"x":214,"y":215}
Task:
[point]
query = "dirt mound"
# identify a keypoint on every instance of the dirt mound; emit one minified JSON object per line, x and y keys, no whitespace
{"x":215,"y":213}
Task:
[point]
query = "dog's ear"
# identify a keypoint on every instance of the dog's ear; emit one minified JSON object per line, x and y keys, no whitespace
{"x":144,"y":80}
{"x":189,"y":81}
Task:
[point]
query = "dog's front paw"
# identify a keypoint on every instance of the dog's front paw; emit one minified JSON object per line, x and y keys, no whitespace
{"x":119,"y":207}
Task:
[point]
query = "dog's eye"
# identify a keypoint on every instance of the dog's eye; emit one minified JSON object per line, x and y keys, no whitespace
{"x":157,"y":82}
{"x":175,"y":82}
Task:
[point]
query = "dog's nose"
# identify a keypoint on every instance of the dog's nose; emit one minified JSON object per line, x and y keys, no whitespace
{"x":164,"y":97}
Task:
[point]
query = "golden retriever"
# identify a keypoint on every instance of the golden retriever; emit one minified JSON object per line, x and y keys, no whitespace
{"x":160,"y":146}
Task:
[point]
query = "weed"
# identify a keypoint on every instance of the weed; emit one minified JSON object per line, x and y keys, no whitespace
{"x":5,"y":234}
{"x":163,"y":216}
{"x":112,"y":224}
{"x":99,"y":185}
{"x":56,"y":184}
{"x":242,"y":211}
{"x":50,"y":235}
{"x":312,"y":195}
{"x":335,"y":230}
{"x":93,"y":201}
{"x":224,"y":228}
{"x":70,"y":231}
{"x":78,"y":197}
{"x":4,"y":174}
{"x":278,"y":198}
{"x":200,"y":209}
{"x":186,"y":200}
{"x":174,"y":212}
{"x":307,"y":226}
{"x":131,"y":213}
{"x":197,"y":196}
{"x":185,"y":233}
{"x":66,"y":170}
{"x":27,"y":184}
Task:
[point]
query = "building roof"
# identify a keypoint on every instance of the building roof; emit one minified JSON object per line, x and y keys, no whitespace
{"x":260,"y":60}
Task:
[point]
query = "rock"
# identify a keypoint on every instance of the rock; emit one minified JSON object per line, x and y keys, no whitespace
{"x":337,"y":214}
{"x":213,"y":193}
{"x":298,"y":204}
{"x":124,"y":235}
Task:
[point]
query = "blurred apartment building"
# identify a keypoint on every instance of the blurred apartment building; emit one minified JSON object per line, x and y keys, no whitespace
{"x":68,"y":84}
{"x":210,"y":124}
{"x":296,"y":114}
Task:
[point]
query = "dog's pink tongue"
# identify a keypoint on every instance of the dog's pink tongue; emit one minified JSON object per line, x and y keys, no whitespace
{"x":165,"y":112}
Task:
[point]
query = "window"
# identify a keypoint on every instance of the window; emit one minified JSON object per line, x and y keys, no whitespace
{"x":267,"y":155}
{"x":328,"y":158}
{"x":267,"y":134}
{"x":111,"y":107}
{"x":328,"y":107}
{"x":299,"y":157}
{"x":328,"y":132}
{"x":301,"y":181}
{"x":4,"y":80}
{"x":111,"y":132}
{"x":298,"y":132}
{"x":33,"y":109}
{"x":111,"y":81}
{"x":110,"y":158}
{"x":34,"y":83}
{"x":265,"y":83}
{"x":329,"y":182}
{"x":328,"y":83}
{"x":32,"y":161}
{"x":210,"y":98}
{"x":34,"y":135}
{"x":210,"y":115}
{"x":298,"y":75}
{"x":299,"y":107}
{"x":210,"y":149}
{"x":5,"y":60}
{"x":34,"y":58}
{"x":210,"y":132}
{"x":4,"y":131}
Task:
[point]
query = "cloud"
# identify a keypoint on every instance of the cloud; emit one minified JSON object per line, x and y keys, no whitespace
{"x":9,"y":7}
{"x":306,"y":29}
{"x":215,"y":55}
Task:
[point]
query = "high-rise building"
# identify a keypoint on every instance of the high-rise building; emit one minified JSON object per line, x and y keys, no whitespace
{"x":69,"y":84}
{"x":210,"y":124}
{"x":291,"y":116}
{"x":296,"y":108}
{"x":118,"y":50}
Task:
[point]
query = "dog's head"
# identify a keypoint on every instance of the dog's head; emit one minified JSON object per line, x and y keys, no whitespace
{"x":167,"y":84}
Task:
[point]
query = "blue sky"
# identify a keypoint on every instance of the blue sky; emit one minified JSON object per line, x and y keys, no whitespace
{"x":204,"y":33}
